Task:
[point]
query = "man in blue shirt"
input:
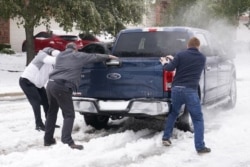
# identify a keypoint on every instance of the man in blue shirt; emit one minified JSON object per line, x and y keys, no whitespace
{"x":189,"y":65}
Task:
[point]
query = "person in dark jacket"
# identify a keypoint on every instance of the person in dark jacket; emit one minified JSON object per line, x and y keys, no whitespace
{"x":189,"y":65}
{"x":63,"y":80}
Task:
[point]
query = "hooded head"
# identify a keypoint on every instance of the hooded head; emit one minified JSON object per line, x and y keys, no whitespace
{"x":71,"y":45}
{"x":50,"y":51}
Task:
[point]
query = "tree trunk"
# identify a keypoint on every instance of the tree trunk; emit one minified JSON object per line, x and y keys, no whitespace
{"x":30,"y":47}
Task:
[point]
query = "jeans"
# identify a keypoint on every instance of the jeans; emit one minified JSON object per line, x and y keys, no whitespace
{"x":59,"y":96}
{"x":189,"y":97}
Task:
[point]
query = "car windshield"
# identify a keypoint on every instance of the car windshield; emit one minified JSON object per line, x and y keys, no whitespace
{"x":151,"y":44}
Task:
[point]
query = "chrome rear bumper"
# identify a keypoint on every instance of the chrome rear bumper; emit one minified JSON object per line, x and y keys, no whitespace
{"x":150,"y":107}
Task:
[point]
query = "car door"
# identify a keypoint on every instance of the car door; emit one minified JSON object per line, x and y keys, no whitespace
{"x":210,"y":76}
{"x":224,"y":70}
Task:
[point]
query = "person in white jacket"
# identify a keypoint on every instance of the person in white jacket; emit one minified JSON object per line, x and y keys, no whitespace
{"x":34,"y":79}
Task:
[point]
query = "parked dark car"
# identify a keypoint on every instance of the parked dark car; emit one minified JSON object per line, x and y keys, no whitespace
{"x":88,"y":38}
{"x":57,"y":40}
{"x":97,"y":47}
{"x":137,"y":86}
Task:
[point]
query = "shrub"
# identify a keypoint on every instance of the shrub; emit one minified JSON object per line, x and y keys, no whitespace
{"x":6,"y":48}
{"x":4,"y":45}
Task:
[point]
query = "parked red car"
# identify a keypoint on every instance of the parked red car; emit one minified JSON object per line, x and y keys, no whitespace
{"x":57,"y":40}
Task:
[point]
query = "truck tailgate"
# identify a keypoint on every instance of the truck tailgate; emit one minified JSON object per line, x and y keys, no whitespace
{"x":132,"y":78}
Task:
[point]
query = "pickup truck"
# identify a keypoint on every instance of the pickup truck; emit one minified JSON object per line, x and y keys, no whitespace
{"x":136,"y":85}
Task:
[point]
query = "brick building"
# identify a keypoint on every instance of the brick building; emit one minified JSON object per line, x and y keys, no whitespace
{"x":4,"y":31}
{"x":160,"y":9}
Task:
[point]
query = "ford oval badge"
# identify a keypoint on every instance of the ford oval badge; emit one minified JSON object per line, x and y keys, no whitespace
{"x":114,"y":76}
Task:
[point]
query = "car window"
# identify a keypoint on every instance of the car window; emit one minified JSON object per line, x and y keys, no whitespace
{"x":202,"y":39}
{"x":99,"y":49}
{"x":217,"y":47}
{"x":43,"y":35}
{"x":93,"y":48}
{"x":153,"y":44}
{"x":204,"y":45}
{"x":88,"y":49}
{"x":69,"y":37}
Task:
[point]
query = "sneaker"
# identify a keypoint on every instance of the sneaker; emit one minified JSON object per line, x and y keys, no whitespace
{"x":166,"y":142}
{"x":40,"y":127}
{"x":75,"y":146}
{"x":204,"y":150}
{"x":49,"y":143}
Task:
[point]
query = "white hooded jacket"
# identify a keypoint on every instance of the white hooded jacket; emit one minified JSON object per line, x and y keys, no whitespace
{"x":40,"y":67}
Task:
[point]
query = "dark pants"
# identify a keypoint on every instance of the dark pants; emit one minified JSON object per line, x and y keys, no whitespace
{"x":59,"y":96}
{"x":36,"y":97}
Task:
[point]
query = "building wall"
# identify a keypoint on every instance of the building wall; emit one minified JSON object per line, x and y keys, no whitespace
{"x":154,"y":14}
{"x":17,"y":35}
{"x":160,"y":9}
{"x":4,"y":31}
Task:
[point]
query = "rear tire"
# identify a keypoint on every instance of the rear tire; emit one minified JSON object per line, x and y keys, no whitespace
{"x":96,"y":121}
{"x":184,"y":122}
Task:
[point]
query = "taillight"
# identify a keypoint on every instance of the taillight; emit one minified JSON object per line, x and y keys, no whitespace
{"x":152,"y":30}
{"x":168,"y":77}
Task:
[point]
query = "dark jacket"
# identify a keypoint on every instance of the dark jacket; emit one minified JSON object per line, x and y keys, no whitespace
{"x":189,"y":65}
{"x":69,"y":65}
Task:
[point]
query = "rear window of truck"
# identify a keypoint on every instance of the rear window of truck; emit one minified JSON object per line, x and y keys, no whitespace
{"x":150,"y":44}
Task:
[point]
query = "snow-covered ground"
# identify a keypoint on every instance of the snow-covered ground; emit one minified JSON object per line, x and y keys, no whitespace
{"x":227,"y":133}
{"x":11,"y":67}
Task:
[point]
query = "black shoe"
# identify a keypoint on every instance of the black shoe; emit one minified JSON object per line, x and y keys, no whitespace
{"x":75,"y":146}
{"x":204,"y":150}
{"x":40,"y":127}
{"x":49,"y":143}
{"x":57,"y":126}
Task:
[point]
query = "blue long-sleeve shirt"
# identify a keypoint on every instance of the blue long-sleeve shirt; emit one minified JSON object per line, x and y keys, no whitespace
{"x":189,"y":65}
